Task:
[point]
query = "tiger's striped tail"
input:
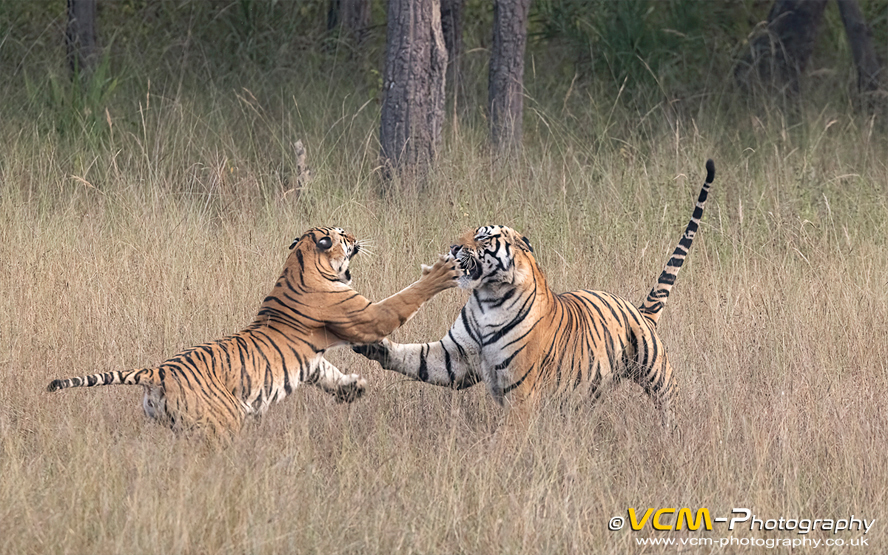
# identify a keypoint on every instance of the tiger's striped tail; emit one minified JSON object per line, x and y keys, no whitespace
{"x":142,"y":376}
{"x":656,"y":299}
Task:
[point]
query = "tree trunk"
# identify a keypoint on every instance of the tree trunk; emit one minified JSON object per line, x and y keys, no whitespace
{"x":353,"y":16}
{"x":451,"y":25}
{"x":860,"y":37}
{"x":80,"y":37}
{"x":505,"y":98}
{"x":777,"y":56}
{"x":413,"y":88}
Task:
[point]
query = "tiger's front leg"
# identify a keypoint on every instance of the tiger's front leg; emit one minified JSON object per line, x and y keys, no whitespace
{"x":376,"y":320}
{"x":443,"y":363}
{"x":345,"y":387}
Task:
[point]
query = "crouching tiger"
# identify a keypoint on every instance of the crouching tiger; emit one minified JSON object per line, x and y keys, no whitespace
{"x":312,"y":307}
{"x":523,"y":340}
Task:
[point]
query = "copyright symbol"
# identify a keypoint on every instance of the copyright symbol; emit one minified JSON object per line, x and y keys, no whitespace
{"x":616,"y":523}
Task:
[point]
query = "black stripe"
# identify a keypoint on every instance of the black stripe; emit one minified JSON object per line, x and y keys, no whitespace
{"x":519,"y":382}
{"x":462,"y":352}
{"x":499,"y":302}
{"x":522,"y":314}
{"x":301,"y":262}
{"x":465,"y":320}
{"x":505,"y":363}
{"x":448,"y":365}
{"x":478,"y":300}
{"x":423,"y":371}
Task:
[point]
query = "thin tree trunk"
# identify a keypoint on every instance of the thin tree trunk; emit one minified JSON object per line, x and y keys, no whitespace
{"x":451,"y":25}
{"x":80,"y":36}
{"x":505,"y":98}
{"x":413,"y":89}
{"x":778,"y":56}
{"x":860,"y":37}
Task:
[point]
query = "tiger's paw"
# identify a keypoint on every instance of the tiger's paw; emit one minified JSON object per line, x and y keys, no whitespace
{"x":442,"y":275}
{"x":426,"y":269}
{"x":351,"y":388}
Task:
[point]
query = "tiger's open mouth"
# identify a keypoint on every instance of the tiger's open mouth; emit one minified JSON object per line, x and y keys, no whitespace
{"x":468,"y":263}
{"x":346,"y":276}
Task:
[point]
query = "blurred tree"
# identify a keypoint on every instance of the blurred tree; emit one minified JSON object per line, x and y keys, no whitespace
{"x":860,"y":37}
{"x":505,"y":89}
{"x":413,"y":88}
{"x":641,"y":49}
{"x":352,"y":16}
{"x":451,"y":25}
{"x":777,"y":56}
{"x":80,"y":36}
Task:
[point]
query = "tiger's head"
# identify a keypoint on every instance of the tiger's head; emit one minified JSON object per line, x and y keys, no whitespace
{"x":492,"y":255}
{"x":329,"y":249}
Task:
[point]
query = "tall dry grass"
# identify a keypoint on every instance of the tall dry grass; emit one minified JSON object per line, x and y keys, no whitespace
{"x":123,"y":244}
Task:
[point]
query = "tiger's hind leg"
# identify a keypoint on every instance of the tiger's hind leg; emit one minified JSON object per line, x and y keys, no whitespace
{"x":154,"y":402}
{"x":345,"y":387}
{"x":662,"y":390}
{"x":655,"y":377}
{"x":206,"y":406}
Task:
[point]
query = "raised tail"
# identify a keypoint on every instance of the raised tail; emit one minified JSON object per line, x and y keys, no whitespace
{"x":142,"y":376}
{"x":656,"y":299}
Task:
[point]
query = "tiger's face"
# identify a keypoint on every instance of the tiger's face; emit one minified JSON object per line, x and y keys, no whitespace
{"x":492,"y":255}
{"x":330,"y":249}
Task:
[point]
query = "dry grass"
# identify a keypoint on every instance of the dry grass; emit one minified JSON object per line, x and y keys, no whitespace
{"x":173,"y":232}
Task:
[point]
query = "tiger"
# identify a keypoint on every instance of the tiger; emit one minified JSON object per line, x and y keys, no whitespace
{"x":524,"y":341}
{"x":312,"y":307}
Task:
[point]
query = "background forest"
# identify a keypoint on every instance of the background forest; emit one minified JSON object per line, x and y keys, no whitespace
{"x":147,"y":205}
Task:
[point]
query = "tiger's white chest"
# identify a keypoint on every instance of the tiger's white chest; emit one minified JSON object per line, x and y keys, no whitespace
{"x":499,"y":330}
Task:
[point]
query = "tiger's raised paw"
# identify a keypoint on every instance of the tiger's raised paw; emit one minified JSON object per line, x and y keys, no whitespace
{"x":351,"y":388}
{"x":441,"y":258}
{"x":443,"y":274}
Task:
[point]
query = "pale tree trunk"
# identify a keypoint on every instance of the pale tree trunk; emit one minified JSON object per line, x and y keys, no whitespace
{"x":413,"y":89}
{"x":778,"y":55}
{"x":80,"y":37}
{"x":860,"y":37}
{"x":505,"y":100}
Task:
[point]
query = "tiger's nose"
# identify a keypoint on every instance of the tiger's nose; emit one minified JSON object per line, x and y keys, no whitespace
{"x":454,"y":250}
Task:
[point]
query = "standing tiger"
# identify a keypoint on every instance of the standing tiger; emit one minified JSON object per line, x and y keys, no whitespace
{"x":523,"y":340}
{"x":311,"y":308}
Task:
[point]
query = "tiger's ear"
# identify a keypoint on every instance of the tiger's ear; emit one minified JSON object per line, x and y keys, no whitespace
{"x":293,"y":244}
{"x":324,"y":243}
{"x":526,"y":244}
